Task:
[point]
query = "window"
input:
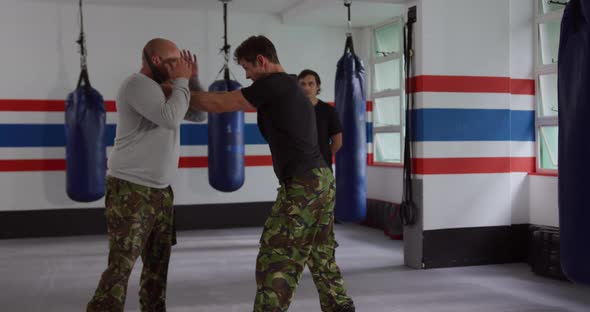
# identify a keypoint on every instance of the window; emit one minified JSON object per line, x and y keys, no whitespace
{"x":387,"y":67}
{"x":547,"y":29}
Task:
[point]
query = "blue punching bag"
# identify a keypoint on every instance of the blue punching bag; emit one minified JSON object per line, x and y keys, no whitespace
{"x":226,"y":144}
{"x":86,"y":158}
{"x":351,"y":160}
{"x":574,"y":150}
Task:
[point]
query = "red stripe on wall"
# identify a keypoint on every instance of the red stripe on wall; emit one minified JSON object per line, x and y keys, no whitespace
{"x":193,"y":162}
{"x":523,"y":164}
{"x":32,"y":165}
{"x":472,"y":84}
{"x":545,"y":174}
{"x":421,"y":165}
{"x":370,"y":159}
{"x":473,"y":165}
{"x":42,"y":106}
{"x":19,"y":165}
{"x":467,"y":84}
{"x":111,"y":106}
{"x":522,"y":86}
{"x":17,"y":105}
{"x":202,"y":161}
{"x":259,"y":160}
{"x":32,"y":105}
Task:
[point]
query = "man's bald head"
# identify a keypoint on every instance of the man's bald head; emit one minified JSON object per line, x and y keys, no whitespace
{"x":160,"y":47}
{"x":160,"y":51}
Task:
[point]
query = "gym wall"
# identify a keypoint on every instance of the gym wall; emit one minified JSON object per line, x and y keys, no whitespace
{"x":475,"y":155}
{"x":41,"y":64}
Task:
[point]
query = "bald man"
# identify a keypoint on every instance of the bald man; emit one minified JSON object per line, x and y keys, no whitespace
{"x":144,"y":160}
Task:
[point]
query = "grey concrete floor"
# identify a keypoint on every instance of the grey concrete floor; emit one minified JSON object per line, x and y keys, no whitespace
{"x":213,"y":271}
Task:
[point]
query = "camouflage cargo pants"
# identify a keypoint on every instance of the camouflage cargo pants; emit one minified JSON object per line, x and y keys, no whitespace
{"x":140,"y":222}
{"x":300,"y":232}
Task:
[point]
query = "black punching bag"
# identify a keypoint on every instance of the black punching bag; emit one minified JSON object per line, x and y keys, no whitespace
{"x":574,"y":132}
{"x":351,"y":160}
{"x":85,"y":119}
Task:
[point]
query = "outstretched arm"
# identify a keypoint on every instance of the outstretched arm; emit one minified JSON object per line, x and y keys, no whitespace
{"x":219,"y":102}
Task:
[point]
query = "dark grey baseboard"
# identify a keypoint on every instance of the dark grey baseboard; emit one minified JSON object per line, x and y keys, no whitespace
{"x":91,"y":221}
{"x":475,"y":246}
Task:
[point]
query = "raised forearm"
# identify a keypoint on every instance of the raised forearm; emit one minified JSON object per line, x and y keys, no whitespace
{"x":195,"y":115}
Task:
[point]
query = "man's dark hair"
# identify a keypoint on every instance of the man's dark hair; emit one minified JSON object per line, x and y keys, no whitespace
{"x":254,"y":46}
{"x":308,"y":72}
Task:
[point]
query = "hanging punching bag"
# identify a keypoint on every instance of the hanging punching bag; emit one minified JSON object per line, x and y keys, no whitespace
{"x":574,"y":151}
{"x":226,"y":144}
{"x":351,"y":160}
{"x":85,"y":117}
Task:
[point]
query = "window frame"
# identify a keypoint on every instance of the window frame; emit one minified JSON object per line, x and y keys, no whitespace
{"x":540,"y":70}
{"x":375,"y":60}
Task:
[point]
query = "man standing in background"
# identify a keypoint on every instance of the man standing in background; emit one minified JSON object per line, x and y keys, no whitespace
{"x":328,"y":123}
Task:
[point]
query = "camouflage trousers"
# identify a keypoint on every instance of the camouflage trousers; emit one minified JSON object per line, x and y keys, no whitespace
{"x":140,"y":222}
{"x":300,"y":232}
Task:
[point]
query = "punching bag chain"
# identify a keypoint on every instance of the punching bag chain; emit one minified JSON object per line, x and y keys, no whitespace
{"x":226,"y":46}
{"x":349,"y":46}
{"x":82,"y":39}
{"x":82,"y":42}
{"x":347,"y":5}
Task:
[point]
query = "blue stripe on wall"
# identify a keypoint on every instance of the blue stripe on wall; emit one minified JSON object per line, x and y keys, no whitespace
{"x":35,"y":135}
{"x":474,"y":125}
{"x":522,"y":125}
{"x":433,"y":125}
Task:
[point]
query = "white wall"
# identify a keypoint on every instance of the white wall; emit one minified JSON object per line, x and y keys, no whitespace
{"x":465,"y":37}
{"x":385,"y":184}
{"x":521,"y":67}
{"x":543,"y":201}
{"x":452,"y":48}
{"x":502,"y":45}
{"x":522,"y":39}
{"x":519,"y":198}
{"x":44,"y":35}
{"x":40,"y":61}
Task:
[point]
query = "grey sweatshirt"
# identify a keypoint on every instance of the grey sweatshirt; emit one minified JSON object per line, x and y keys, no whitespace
{"x":147,"y":142}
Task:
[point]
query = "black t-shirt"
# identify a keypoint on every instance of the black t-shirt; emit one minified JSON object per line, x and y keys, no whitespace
{"x":328,"y":125}
{"x":286,"y":119}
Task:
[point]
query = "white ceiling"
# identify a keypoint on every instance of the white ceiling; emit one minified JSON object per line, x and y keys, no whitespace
{"x":334,"y":13}
{"x":250,"y":6}
{"x":302,"y":12}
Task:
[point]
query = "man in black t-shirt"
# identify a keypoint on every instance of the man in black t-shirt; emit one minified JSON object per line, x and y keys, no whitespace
{"x":328,"y":123}
{"x":300,"y":228}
